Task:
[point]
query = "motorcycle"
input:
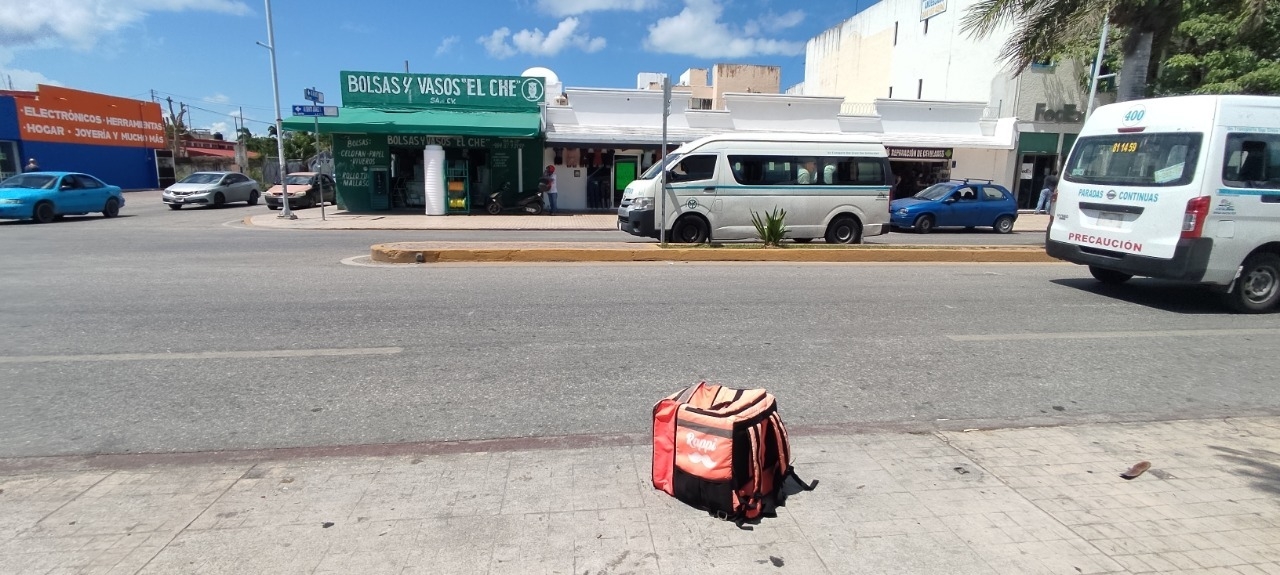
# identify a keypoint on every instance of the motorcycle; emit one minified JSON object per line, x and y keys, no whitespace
{"x":531,"y":204}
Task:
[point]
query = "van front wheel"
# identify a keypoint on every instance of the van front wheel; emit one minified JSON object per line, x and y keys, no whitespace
{"x":1258,"y":288}
{"x":690,"y":230}
{"x":1109,"y":277}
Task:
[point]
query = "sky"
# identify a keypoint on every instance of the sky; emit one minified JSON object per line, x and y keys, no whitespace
{"x":204,"y":53}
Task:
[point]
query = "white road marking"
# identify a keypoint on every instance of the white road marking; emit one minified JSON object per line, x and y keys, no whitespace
{"x":256,"y":354}
{"x":1112,"y":334}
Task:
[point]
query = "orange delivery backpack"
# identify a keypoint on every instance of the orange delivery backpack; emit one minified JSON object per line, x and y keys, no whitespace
{"x":724,"y":450}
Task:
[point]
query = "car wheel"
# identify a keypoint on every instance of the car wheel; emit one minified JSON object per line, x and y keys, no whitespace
{"x":219,"y":200}
{"x":690,"y":230}
{"x":174,"y":206}
{"x":112,"y":209}
{"x":1004,"y":224}
{"x":1109,"y":277}
{"x":801,"y":240}
{"x":253,"y":198}
{"x":1258,"y":288}
{"x":43,"y":213}
{"x":924,"y":224}
{"x":493,"y":208}
{"x":844,"y":230}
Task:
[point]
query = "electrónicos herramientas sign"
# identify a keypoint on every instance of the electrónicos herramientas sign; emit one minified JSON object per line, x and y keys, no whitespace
{"x":386,"y":89}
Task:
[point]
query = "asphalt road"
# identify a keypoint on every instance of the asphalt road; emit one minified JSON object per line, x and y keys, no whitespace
{"x":182,"y":331}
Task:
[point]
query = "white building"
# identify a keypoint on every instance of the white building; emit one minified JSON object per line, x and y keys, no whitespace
{"x":915,"y":50}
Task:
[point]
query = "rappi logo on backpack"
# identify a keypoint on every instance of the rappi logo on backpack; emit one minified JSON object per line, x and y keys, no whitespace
{"x":706,"y":457}
{"x":701,"y":444}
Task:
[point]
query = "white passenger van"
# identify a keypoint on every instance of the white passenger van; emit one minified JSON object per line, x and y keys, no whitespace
{"x":832,"y":186}
{"x":1184,"y":188}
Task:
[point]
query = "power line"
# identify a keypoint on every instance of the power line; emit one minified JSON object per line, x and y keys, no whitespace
{"x":233,"y":104}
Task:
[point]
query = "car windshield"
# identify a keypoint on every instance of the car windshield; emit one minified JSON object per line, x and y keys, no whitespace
{"x":298,"y":180}
{"x":934,"y":192}
{"x":1134,"y":159}
{"x":33,"y":181}
{"x":672,"y":159}
{"x":201,"y":178}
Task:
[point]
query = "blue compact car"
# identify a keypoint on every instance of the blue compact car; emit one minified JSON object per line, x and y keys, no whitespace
{"x":47,"y":196}
{"x":965,"y":203}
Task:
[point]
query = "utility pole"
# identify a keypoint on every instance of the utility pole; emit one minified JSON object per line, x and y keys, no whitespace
{"x":174,"y":122}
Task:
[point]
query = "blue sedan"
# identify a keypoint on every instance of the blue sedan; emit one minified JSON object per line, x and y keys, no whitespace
{"x":47,"y":196}
{"x":958,"y":203}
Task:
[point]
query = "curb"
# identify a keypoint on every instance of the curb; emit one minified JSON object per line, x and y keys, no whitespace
{"x":409,"y":253}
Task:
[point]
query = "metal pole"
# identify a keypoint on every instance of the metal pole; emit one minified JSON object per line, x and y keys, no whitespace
{"x":662,"y":170}
{"x":275,"y":88}
{"x":1097,"y":65}
{"x":318,"y":178}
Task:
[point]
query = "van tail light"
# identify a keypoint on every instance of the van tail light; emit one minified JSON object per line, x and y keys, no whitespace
{"x":1193,"y":219}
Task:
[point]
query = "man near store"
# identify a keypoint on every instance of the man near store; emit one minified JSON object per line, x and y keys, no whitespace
{"x":32,"y":166}
{"x":549,"y":180}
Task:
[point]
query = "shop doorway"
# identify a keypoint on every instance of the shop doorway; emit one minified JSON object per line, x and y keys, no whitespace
{"x":166,"y":172}
{"x":1038,"y":166}
{"x":911,"y":177}
{"x":624,"y":172}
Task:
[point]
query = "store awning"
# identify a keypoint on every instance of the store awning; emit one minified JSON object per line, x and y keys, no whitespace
{"x":423,"y":122}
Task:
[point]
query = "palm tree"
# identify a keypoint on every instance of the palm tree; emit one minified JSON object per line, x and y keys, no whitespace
{"x":1043,"y":27}
{"x":243,"y":135}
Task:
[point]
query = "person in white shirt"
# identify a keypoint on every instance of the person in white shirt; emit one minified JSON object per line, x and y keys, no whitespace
{"x":549,"y":177}
{"x":807,"y":172}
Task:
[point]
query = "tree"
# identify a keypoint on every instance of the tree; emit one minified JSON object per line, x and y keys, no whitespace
{"x":1223,"y":47}
{"x":1042,"y":28}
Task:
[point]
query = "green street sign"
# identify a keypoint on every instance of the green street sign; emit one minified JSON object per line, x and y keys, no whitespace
{"x":399,"y":90}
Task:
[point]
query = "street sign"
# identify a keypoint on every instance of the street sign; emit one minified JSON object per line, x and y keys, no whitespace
{"x":311,"y":95}
{"x":330,"y":111}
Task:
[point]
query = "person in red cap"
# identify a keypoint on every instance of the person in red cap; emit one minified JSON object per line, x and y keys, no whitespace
{"x":549,"y":179}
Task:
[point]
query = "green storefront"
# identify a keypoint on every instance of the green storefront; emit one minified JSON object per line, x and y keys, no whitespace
{"x":490,"y":128}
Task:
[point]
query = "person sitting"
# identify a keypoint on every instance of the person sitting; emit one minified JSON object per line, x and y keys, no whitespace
{"x":808,"y":171}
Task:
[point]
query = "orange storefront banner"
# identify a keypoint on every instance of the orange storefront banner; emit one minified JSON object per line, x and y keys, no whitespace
{"x":75,"y":117}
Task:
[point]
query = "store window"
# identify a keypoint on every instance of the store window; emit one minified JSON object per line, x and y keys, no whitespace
{"x":10,"y":163}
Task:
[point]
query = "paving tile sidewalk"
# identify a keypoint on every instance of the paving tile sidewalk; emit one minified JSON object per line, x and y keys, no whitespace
{"x":1015,"y":501}
{"x":310,"y":219}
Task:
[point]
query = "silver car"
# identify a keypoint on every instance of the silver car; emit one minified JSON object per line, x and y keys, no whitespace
{"x":212,"y":189}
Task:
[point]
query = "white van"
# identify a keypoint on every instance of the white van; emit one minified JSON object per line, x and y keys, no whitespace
{"x":832,"y":186}
{"x":1184,"y":188}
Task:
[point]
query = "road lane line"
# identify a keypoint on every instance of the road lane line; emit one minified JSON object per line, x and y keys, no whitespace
{"x":1111,"y":334}
{"x":256,"y":354}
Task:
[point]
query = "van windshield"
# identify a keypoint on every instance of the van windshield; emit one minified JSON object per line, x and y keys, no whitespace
{"x":1134,"y":159}
{"x":653,"y":170}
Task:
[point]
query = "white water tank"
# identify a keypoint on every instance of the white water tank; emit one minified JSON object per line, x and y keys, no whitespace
{"x":433,"y":174}
{"x":551,"y":81}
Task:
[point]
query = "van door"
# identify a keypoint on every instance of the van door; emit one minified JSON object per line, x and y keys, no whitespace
{"x":691,"y":183}
{"x":1126,"y":193}
{"x":1247,"y":208}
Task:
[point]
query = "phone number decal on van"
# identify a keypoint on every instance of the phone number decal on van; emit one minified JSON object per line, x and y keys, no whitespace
{"x":1125,"y":245}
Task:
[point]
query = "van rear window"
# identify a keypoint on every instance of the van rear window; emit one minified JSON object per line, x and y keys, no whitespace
{"x":1134,"y":159}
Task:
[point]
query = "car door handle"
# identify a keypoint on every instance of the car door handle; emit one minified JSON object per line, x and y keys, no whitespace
{"x":709,"y":189}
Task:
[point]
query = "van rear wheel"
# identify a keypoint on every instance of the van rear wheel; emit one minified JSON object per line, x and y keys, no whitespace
{"x":1109,"y":277}
{"x":844,"y":230}
{"x":690,"y":230}
{"x":1258,"y":288}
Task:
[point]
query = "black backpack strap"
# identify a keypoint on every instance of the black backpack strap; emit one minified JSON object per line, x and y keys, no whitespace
{"x":804,"y":486}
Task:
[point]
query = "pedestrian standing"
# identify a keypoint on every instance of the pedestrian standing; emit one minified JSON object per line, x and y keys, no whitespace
{"x":31,"y":166}
{"x":1050,"y":186}
{"x":549,"y":178}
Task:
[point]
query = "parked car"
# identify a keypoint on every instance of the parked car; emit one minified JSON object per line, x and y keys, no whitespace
{"x":306,"y":189}
{"x":212,"y":189}
{"x":47,"y":196}
{"x":966,"y":203}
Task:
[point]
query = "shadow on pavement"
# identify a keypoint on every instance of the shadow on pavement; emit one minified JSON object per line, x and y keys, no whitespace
{"x":1166,"y":296}
{"x":1260,"y":464}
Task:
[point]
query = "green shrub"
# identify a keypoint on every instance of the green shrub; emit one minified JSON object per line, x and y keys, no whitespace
{"x":770,"y":228}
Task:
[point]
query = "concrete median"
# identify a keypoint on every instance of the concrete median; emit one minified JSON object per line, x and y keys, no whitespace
{"x":456,"y":252}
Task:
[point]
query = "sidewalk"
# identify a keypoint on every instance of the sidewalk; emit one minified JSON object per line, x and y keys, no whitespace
{"x":309,"y":219}
{"x":1010,"y":501}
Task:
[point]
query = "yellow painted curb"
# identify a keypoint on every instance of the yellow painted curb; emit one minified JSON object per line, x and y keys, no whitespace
{"x":398,"y":253}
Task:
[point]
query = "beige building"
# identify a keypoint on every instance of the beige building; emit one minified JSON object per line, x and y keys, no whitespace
{"x":707,"y":93}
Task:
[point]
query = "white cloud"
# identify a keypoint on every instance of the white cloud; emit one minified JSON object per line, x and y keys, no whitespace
{"x":537,"y":43}
{"x":80,"y":23}
{"x":771,"y":21}
{"x":24,"y":79}
{"x":222,"y":128}
{"x":698,"y":31}
{"x":357,"y":28}
{"x":217,"y":99}
{"x":446,"y":45}
{"x":496,"y":43}
{"x":560,"y":8}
